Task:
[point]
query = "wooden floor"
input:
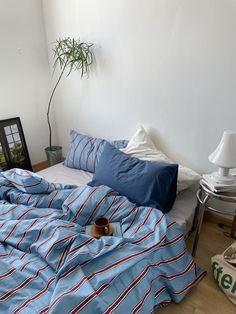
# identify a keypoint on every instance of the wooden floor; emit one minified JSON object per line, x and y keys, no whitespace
{"x":206,"y":297}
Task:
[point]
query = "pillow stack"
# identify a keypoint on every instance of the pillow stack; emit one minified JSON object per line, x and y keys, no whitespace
{"x":142,"y":147}
{"x":135,"y":169}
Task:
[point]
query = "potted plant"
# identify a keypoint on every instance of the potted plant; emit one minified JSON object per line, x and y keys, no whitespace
{"x":71,"y":55}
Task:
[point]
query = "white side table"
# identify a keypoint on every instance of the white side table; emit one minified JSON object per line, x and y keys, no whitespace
{"x":204,"y":195}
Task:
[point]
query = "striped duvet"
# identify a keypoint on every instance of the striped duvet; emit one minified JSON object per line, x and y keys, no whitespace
{"x":49,"y":265}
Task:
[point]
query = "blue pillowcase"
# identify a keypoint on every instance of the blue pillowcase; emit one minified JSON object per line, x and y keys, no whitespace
{"x":85,"y":151}
{"x":145,"y":183}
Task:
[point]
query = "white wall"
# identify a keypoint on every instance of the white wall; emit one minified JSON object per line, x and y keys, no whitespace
{"x":24,"y":71}
{"x":169,"y":65}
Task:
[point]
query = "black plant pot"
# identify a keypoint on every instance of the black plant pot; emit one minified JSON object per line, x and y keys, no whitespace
{"x":54,"y":155}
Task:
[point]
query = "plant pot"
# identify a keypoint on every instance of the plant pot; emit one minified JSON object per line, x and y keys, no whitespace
{"x":54,"y":155}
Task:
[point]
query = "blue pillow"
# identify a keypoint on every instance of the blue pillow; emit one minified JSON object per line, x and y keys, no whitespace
{"x":145,"y":183}
{"x":85,"y":151}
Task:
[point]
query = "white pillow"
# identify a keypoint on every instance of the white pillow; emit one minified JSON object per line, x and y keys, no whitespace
{"x":142,"y":147}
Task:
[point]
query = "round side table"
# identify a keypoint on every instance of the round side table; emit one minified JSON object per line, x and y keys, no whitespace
{"x":204,"y":195}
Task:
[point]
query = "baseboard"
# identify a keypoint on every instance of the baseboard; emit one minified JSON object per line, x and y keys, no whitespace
{"x":40,"y":166}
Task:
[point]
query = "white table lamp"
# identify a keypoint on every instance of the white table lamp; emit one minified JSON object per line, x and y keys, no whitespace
{"x":225,"y":158}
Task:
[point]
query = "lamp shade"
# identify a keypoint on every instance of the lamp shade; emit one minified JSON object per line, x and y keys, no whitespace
{"x":225,"y":153}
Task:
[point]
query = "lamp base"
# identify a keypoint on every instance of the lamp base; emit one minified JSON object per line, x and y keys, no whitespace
{"x":219,"y":178}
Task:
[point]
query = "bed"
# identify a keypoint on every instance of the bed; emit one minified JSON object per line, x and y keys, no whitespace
{"x":49,"y":263}
{"x":183,"y":210}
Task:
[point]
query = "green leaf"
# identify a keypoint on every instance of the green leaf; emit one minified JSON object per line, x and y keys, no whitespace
{"x":72,"y":54}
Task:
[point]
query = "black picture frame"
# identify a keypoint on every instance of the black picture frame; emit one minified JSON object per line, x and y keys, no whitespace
{"x":13,"y":149}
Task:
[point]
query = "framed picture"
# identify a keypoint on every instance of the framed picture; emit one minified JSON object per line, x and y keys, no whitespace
{"x":13,"y":149}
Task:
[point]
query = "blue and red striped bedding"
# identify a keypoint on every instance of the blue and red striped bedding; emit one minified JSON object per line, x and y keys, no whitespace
{"x":49,"y":265}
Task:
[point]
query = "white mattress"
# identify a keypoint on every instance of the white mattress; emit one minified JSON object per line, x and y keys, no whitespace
{"x":183,"y":210}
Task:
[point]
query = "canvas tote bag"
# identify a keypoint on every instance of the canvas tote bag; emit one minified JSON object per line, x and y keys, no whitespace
{"x":224,"y":271}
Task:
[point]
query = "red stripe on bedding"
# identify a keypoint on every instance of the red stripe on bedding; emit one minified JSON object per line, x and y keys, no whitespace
{"x":39,"y":294}
{"x":122,"y":260}
{"x":143,"y":223}
{"x":124,"y":201}
{"x":86,"y":200}
{"x":97,"y":205}
{"x":73,"y":156}
{"x":59,"y":241}
{"x":95,"y":159}
{"x":135,"y":282}
{"x":147,"y":235}
{"x":51,"y":201}
{"x":64,"y":253}
{"x":23,"y":284}
{"x":91,"y":150}
{"x":54,"y":231}
{"x":9,"y":210}
{"x":82,"y":152}
{"x":27,"y":186}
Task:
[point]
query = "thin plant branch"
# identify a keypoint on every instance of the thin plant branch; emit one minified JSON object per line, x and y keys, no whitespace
{"x":49,"y":106}
{"x":73,"y":55}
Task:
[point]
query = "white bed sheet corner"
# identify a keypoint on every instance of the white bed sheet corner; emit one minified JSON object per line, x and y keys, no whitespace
{"x":183,"y":210}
